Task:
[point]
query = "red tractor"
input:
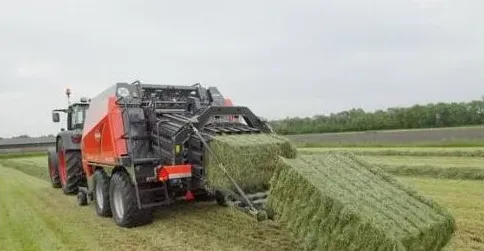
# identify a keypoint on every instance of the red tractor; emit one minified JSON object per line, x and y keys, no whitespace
{"x":143,"y":147}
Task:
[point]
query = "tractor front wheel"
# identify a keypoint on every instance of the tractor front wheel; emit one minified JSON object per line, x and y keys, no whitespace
{"x":124,"y":203}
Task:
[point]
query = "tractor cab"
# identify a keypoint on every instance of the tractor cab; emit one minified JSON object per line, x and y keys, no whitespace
{"x":76,"y":112}
{"x":75,"y":115}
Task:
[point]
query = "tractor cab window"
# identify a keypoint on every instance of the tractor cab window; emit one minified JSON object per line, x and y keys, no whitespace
{"x":77,"y":116}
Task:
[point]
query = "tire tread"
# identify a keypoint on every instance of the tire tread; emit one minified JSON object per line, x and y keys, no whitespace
{"x":133,"y":215}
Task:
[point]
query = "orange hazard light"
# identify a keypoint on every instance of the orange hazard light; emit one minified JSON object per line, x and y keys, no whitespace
{"x":165,"y":173}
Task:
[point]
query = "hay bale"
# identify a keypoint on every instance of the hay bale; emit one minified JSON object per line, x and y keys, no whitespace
{"x":249,"y":158}
{"x":335,"y":201}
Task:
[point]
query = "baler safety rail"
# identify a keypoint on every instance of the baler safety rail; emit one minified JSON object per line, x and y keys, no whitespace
{"x":203,"y":117}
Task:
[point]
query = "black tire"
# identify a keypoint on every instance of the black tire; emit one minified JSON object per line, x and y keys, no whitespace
{"x":220,"y":198}
{"x":53,"y":165}
{"x":202,"y":195}
{"x":74,"y":175}
{"x":101,"y":193}
{"x":124,"y":205}
{"x":224,"y":197}
{"x":81,"y":198}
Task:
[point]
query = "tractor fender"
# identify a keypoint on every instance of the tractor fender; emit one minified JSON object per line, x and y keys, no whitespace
{"x":66,"y":138}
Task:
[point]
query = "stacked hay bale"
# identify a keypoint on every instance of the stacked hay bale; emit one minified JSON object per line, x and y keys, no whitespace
{"x":335,"y":201}
{"x":249,"y":158}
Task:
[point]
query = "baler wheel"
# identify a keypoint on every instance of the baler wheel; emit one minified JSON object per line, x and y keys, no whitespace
{"x":81,"y":198}
{"x":124,"y":203}
{"x":70,"y":169}
{"x":101,"y":193}
{"x":53,"y":164}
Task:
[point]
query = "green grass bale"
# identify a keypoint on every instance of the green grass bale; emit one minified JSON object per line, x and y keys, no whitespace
{"x":249,"y":158}
{"x":335,"y":201}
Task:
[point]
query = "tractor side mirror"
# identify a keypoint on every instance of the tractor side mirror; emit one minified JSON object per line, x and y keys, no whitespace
{"x":55,"y":117}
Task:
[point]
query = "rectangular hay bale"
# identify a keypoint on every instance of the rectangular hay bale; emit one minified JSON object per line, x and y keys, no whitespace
{"x":335,"y":201}
{"x":249,"y":158}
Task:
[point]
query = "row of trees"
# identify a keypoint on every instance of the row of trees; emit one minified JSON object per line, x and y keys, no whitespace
{"x":417,"y":116}
{"x":26,"y":136}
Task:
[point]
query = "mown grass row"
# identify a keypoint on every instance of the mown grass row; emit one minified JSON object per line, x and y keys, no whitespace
{"x":464,"y":164}
{"x":21,"y":155}
{"x":465,"y":173}
{"x":369,"y":144}
{"x":35,"y":166}
{"x":403,"y":151}
{"x":471,"y":168}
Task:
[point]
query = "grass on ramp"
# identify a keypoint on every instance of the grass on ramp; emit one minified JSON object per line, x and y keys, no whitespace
{"x":465,"y":201}
{"x":34,"y":216}
{"x":338,"y":202}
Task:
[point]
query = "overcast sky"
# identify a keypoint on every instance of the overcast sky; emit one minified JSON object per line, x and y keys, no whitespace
{"x":281,"y":58}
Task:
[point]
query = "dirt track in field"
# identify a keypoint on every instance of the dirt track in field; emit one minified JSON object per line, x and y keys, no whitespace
{"x":403,"y":136}
{"x":34,"y":216}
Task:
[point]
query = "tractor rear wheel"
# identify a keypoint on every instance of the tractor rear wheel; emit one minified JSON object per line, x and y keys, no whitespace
{"x":101,"y":193}
{"x":53,"y":164}
{"x":124,"y":203}
{"x":70,"y":169}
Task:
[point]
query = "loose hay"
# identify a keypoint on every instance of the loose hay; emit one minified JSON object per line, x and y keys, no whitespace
{"x":249,"y":158}
{"x":335,"y":201}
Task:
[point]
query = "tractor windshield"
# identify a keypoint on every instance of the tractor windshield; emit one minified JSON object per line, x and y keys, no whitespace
{"x":78,"y":114}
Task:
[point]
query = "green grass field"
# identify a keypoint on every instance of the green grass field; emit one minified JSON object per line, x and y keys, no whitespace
{"x":34,"y":216}
{"x":465,"y":201}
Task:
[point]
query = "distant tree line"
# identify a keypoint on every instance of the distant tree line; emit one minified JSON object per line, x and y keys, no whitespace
{"x":417,"y":116}
{"x":26,"y":136}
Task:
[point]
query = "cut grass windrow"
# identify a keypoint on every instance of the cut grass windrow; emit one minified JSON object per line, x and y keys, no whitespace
{"x":404,"y":151}
{"x":35,"y":166}
{"x":465,"y":173}
{"x":21,"y":155}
